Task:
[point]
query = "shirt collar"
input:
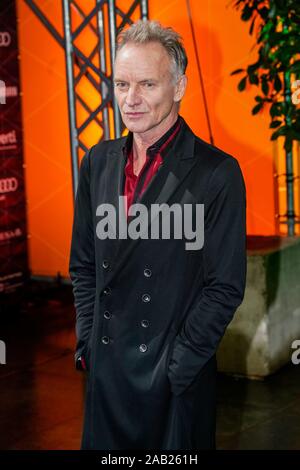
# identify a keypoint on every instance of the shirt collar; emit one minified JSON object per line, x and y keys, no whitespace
{"x":154,"y":148}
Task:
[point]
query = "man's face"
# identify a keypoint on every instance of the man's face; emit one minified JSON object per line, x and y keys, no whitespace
{"x":144,"y":85}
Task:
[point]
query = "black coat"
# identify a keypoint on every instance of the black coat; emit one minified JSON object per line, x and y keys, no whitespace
{"x":151,"y":358}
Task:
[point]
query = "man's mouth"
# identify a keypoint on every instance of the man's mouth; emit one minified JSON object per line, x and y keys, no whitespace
{"x":137,"y":114}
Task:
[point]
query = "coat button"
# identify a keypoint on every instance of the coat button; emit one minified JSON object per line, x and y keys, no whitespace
{"x":143,"y":348}
{"x":145,"y":323}
{"x":146,"y":298}
{"x":147,"y":272}
{"x":107,"y":291}
{"x":105,"y":339}
{"x":105,"y":264}
{"x":107,"y":314}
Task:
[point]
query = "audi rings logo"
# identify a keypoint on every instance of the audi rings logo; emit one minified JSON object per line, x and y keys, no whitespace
{"x":8,"y":185}
{"x":5,"y":39}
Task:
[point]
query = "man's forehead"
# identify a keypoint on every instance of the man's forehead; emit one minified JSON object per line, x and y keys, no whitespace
{"x":148,"y":63}
{"x":146,"y":54}
{"x":139,"y":75}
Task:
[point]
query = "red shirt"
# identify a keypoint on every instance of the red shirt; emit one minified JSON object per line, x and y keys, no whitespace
{"x":135,"y":185}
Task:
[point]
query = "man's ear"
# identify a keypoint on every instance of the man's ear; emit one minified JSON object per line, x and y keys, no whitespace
{"x":180,"y":88}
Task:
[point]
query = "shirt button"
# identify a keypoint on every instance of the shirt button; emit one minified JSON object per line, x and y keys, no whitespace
{"x":107,"y":314}
{"x":105,"y":264}
{"x":147,"y":272}
{"x":105,"y":339}
{"x":107,"y":291}
{"x":143,"y":348}
{"x":146,"y":298}
{"x":145,"y":323}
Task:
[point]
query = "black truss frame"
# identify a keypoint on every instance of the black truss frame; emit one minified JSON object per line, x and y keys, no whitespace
{"x":103,"y":13}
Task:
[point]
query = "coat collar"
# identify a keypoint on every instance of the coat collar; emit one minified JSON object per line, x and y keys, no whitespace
{"x":170,"y":175}
{"x":160,"y":145}
{"x":183,"y":142}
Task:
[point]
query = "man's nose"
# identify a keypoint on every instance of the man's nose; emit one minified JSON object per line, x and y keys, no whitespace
{"x":133,"y":98}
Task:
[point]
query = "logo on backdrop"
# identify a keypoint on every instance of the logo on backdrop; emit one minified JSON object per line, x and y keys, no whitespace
{"x":2,"y":352}
{"x":8,"y":185}
{"x":2,"y":92}
{"x":13,"y":223}
{"x":7,"y":92}
{"x":8,"y":140}
{"x":6,"y":235}
{"x":5,"y":39}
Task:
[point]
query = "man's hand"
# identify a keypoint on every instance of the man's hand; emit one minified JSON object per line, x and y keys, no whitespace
{"x":81,"y":364}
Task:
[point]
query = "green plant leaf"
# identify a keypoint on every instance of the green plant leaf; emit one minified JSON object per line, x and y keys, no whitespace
{"x":295,"y":67}
{"x":242,"y":84}
{"x":265,"y":87}
{"x":295,"y":134}
{"x":253,"y":79}
{"x":275,"y":124}
{"x":277,"y":83}
{"x":253,"y":67}
{"x":278,"y":59}
{"x":280,"y":132}
{"x":264,"y":12}
{"x":276,"y":109}
{"x":257,"y":108}
{"x":247,"y":13}
{"x":252,"y":26}
{"x":237,"y":71}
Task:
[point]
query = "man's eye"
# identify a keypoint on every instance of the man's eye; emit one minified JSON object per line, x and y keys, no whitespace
{"x":149,"y":85}
{"x":120,"y":84}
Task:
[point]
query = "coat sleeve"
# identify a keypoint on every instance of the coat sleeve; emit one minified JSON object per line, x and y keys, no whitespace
{"x":224,"y":264}
{"x":82,"y":259}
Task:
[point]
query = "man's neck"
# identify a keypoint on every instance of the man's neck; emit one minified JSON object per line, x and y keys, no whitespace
{"x":142,"y":141}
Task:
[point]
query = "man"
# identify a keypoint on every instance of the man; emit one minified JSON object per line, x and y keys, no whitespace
{"x":150,"y":313}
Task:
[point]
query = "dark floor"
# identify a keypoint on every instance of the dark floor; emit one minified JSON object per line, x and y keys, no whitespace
{"x":41,"y":394}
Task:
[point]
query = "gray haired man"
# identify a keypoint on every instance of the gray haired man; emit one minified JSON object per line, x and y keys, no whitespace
{"x":149,"y":313}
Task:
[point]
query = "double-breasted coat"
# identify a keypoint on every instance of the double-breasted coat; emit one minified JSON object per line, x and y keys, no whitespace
{"x":149,"y":312}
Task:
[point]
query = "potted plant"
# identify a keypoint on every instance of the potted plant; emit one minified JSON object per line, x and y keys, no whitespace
{"x":276,"y":24}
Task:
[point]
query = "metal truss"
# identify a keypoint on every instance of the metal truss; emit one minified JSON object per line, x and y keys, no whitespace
{"x":91,"y":103}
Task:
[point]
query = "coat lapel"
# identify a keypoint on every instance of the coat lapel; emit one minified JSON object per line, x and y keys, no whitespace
{"x":177,"y":165}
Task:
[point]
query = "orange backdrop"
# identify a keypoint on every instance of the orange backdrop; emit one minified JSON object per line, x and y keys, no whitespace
{"x":223,"y":44}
